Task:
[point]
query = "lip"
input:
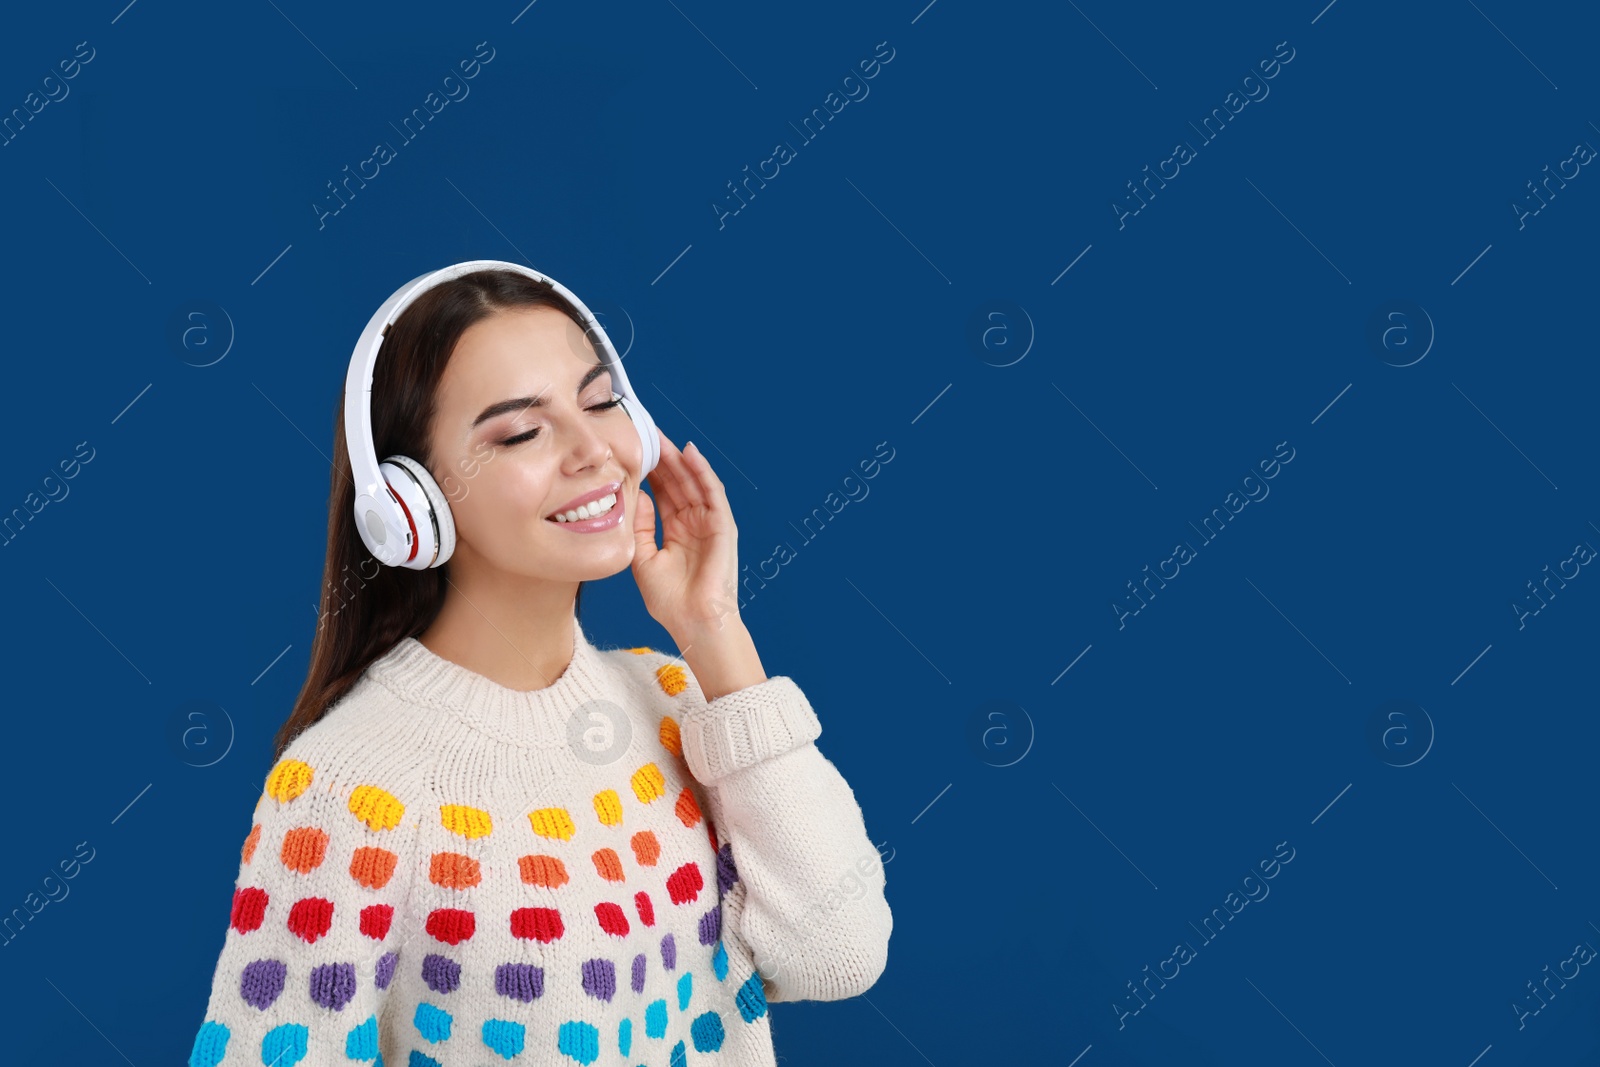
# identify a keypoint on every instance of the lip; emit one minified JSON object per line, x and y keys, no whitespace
{"x":578,"y":501}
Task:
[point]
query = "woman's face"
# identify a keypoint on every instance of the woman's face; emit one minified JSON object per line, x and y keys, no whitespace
{"x":521,"y":429}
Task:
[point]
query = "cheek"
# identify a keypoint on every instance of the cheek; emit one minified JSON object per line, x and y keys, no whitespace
{"x":506,"y":499}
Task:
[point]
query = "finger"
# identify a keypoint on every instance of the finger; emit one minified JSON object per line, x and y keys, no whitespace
{"x":644,"y":529}
{"x":671,"y":477}
{"x":711,"y":486}
{"x":687,"y":483}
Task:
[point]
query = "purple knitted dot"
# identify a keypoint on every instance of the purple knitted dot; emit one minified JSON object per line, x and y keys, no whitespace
{"x":638,"y":973}
{"x":333,"y":984}
{"x":727,"y":873}
{"x":384,"y":973}
{"x":519,"y":981}
{"x":599,"y":979}
{"x":669,"y":952}
{"x":261,"y":983}
{"x":711,"y":926}
{"x":442,"y":974}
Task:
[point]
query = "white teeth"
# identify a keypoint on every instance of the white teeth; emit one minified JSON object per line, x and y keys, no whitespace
{"x":590,"y":510}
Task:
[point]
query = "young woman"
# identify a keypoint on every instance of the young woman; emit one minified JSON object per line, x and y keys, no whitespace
{"x":486,"y":838}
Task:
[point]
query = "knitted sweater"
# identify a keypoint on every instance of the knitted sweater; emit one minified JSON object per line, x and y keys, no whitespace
{"x":445,"y":871}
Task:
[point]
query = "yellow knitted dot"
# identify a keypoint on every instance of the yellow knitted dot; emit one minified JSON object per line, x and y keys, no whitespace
{"x":379,"y":809}
{"x":288,"y":780}
{"x":465,"y":821}
{"x":672,"y":678}
{"x":648,"y":783}
{"x":642,"y":651}
{"x":608,"y":806}
{"x":552,"y":822}
{"x":671,"y":739}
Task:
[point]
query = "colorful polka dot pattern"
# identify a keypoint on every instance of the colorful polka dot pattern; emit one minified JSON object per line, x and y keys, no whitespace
{"x":619,"y":855}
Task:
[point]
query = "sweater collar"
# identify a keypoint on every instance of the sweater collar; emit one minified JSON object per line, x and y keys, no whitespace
{"x":535,"y":718}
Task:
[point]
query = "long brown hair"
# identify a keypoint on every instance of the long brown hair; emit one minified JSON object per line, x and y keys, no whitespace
{"x":366,"y":607}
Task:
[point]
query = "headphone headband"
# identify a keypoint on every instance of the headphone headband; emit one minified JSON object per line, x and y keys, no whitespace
{"x":401,"y":515}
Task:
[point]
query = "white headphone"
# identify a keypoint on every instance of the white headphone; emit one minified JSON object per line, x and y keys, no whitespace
{"x":401,"y":514}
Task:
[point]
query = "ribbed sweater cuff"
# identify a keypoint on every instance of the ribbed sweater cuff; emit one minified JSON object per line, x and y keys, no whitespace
{"x":742,"y":728}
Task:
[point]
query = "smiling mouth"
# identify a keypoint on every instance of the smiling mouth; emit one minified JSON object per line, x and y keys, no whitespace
{"x":592,"y":510}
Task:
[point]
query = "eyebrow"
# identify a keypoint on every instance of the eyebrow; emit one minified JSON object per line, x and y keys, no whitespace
{"x":522,"y":403}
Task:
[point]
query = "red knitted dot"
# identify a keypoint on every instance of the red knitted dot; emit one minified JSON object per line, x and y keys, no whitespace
{"x":612,"y":919}
{"x":375,"y":920}
{"x":310,"y":918}
{"x":451,"y":925}
{"x":249,"y":908}
{"x":543,"y":924}
{"x":647,"y":910}
{"x":685,"y":883}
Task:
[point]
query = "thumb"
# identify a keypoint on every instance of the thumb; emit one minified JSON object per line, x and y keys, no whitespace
{"x":644,"y":529}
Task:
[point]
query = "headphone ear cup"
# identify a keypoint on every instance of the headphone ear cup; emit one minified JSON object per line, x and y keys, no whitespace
{"x":429,"y":511}
{"x":646,"y":426}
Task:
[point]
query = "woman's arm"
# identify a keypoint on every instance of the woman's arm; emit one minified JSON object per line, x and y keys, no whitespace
{"x":314,"y":930}
{"x":807,"y":885}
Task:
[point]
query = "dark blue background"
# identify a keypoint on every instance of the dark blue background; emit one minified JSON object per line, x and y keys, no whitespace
{"x":834,"y":312}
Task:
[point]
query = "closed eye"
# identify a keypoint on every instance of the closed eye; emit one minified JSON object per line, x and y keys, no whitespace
{"x":531,"y":434}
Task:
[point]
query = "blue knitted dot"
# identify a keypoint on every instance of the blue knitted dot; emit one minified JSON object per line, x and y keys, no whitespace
{"x":707,"y":1032}
{"x":625,"y":1036}
{"x":579,"y":1040}
{"x":210,"y":1044}
{"x":505,"y":1037}
{"x":417,"y":1059}
{"x":361,"y":1043}
{"x":285,"y":1046}
{"x":751,"y":998}
{"x":432,"y":1023}
{"x":685,"y":987}
{"x":719,"y":962}
{"x":655,"y":1019}
{"x":677,"y":1059}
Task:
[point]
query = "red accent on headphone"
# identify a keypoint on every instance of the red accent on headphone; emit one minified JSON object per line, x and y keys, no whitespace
{"x":409,"y":520}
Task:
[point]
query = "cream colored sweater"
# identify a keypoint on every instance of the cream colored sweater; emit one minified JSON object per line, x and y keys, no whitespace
{"x":444,"y":871}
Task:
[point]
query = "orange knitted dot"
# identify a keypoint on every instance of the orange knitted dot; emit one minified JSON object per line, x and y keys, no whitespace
{"x":671,"y":737}
{"x":248,"y":852}
{"x":547,"y":871}
{"x":304,"y":848}
{"x":373,"y":867}
{"x":608,"y":864}
{"x":672,"y":679}
{"x":642,"y":651}
{"x":688,"y":808}
{"x":646,"y":849}
{"x":452,"y":870}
